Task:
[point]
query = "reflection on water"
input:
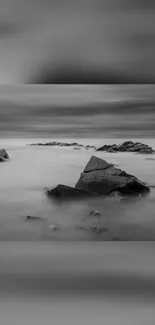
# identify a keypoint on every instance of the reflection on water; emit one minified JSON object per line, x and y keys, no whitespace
{"x":30,"y":169}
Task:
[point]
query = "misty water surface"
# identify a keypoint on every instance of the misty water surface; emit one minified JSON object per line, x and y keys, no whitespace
{"x":31,"y":169}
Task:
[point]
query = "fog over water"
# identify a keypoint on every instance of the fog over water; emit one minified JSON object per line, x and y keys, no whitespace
{"x":31,"y":169}
{"x":89,"y":114}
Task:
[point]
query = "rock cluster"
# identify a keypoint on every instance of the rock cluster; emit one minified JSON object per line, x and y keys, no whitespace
{"x":3,"y":155}
{"x":128,"y":146}
{"x":76,"y":145}
{"x":101,"y":178}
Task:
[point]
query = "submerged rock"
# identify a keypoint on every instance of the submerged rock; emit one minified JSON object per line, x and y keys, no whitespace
{"x":103,"y":178}
{"x":64,"y":191}
{"x":95,"y":213}
{"x":97,"y":229}
{"x":3,"y":155}
{"x":128,"y":146}
{"x":53,"y":227}
{"x":31,"y":218}
{"x":117,"y":196}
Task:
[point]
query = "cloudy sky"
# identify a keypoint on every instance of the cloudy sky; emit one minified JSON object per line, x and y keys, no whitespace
{"x":88,"y":111}
{"x":77,"y":41}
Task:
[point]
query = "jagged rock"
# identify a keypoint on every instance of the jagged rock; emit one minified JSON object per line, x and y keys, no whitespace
{"x":3,"y":155}
{"x":128,"y":146}
{"x":64,"y":191}
{"x":103,"y":178}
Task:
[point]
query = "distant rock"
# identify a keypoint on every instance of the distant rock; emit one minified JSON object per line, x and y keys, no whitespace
{"x":103,"y":178}
{"x":59,"y":144}
{"x":31,"y":218}
{"x":95,"y":213}
{"x":53,"y":227}
{"x":64,"y":191}
{"x":3,"y":155}
{"x":77,"y":146}
{"x":96,"y":229}
{"x":128,"y":146}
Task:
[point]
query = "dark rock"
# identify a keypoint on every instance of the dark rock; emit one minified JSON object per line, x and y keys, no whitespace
{"x":77,"y":146}
{"x":58,"y":144}
{"x":103,"y":178}
{"x":96,"y":164}
{"x":3,"y":155}
{"x":95,"y":213}
{"x":63,"y":191}
{"x":31,"y":218}
{"x":128,"y":146}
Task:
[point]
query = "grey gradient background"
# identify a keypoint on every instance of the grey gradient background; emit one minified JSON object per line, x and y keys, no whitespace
{"x":69,"y":41}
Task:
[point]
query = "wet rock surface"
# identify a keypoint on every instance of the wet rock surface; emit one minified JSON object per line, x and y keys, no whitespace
{"x":64,"y":191}
{"x":103,"y":179}
{"x":128,"y":146}
{"x":3,"y":155}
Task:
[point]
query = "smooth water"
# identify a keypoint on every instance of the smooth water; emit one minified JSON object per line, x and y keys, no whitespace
{"x":30,"y":169}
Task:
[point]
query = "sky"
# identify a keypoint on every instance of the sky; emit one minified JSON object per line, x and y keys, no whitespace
{"x":70,"y":41}
{"x":77,"y":111}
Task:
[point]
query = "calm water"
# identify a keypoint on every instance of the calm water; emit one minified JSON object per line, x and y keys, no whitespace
{"x":30,"y":169}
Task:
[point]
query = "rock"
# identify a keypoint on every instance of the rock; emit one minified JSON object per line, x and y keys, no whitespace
{"x":77,"y":146}
{"x":98,"y":229}
{"x":103,"y":178}
{"x":128,"y":146}
{"x":31,"y":218}
{"x":58,"y":144}
{"x":64,"y":191}
{"x":53,"y":227}
{"x":3,"y":155}
{"x":95,"y":213}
